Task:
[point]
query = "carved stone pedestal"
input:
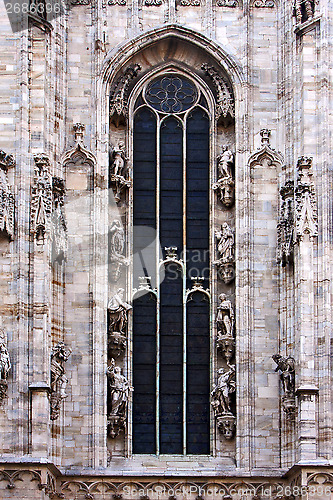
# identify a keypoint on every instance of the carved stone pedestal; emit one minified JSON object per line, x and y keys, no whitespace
{"x":226,"y":424}
{"x":116,"y":344}
{"x":226,"y":344}
{"x":119,"y":183}
{"x":116,"y":424}
{"x":289,"y":406}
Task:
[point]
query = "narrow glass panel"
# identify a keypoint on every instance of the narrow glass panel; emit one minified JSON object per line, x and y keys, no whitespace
{"x":171,"y":181}
{"x":197,"y":239}
{"x":144,"y":374}
{"x":171,"y":362}
{"x":197,"y":375}
{"x":144,"y":308}
{"x":197,"y":196}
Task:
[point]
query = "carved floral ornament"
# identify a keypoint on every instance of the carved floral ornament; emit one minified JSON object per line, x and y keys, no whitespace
{"x":225,"y":104}
{"x":119,"y":94}
{"x":5,"y":365}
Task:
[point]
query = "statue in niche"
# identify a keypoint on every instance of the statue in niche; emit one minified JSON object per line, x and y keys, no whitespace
{"x":287,"y":375}
{"x":226,"y":249}
{"x":221,"y":401}
{"x":117,"y":250}
{"x":226,"y":243}
{"x":117,"y":239}
{"x":120,"y":159}
{"x":225,"y":320}
{"x":5,"y":366}
{"x":225,"y":185}
{"x":59,"y":355}
{"x":226,"y":385}
{"x":118,"y":310}
{"x":119,"y":389}
{"x":225,"y":162}
{"x":287,"y":369}
{"x":119,"y":170}
{"x":225,"y":317}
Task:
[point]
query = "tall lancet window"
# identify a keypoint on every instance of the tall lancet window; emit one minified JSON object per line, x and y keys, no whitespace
{"x":171,"y":322}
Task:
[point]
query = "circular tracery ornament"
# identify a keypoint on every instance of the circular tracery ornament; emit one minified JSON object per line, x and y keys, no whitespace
{"x":171,"y":94}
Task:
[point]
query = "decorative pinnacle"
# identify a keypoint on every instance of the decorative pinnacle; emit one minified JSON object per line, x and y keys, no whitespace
{"x":265,"y":135}
{"x":79,"y":129}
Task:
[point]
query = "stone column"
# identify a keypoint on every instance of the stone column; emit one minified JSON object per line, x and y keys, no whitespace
{"x":41,"y":203}
{"x":306,"y":233}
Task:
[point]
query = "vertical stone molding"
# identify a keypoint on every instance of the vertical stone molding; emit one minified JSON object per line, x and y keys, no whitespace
{"x":7,"y":202}
{"x":307,"y":402}
{"x":41,"y":198}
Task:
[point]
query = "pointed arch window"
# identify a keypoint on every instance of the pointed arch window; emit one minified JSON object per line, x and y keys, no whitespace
{"x":171,"y":322}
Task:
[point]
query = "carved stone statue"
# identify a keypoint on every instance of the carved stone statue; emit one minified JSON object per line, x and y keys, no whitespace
{"x":118,"y":390}
{"x":226,"y":243}
{"x":59,"y":355}
{"x":226,"y":385}
{"x":221,"y":391}
{"x":287,"y":375}
{"x":225,"y":163}
{"x":5,"y":366}
{"x":118,"y":310}
{"x":118,"y":170}
{"x":120,"y":159}
{"x":116,"y":250}
{"x":41,"y":198}
{"x":225,"y":185}
{"x":59,"y":227}
{"x":287,"y":369}
{"x":225,"y":317}
{"x":7,"y":202}
{"x":225,"y":320}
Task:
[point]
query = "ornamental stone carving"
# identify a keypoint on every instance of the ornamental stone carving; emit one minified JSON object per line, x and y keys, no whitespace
{"x":225,"y":185}
{"x":119,"y":95}
{"x":305,"y":200}
{"x":189,"y":3}
{"x":117,"y":249}
{"x":227,"y":3}
{"x":225,"y":104}
{"x":263,"y":4}
{"x":155,"y":3}
{"x":7,"y":202}
{"x":5,"y":366}
{"x":59,"y":228}
{"x":118,"y":172}
{"x":304,"y":10}
{"x":285,"y":227}
{"x":59,"y":355}
{"x":221,"y":401}
{"x":225,"y":321}
{"x":226,"y":250}
{"x":117,"y":323}
{"x":118,"y":395}
{"x":286,"y":366}
{"x":41,"y":198}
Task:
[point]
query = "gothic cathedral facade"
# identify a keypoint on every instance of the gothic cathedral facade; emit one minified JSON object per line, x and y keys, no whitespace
{"x":165,"y":250}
